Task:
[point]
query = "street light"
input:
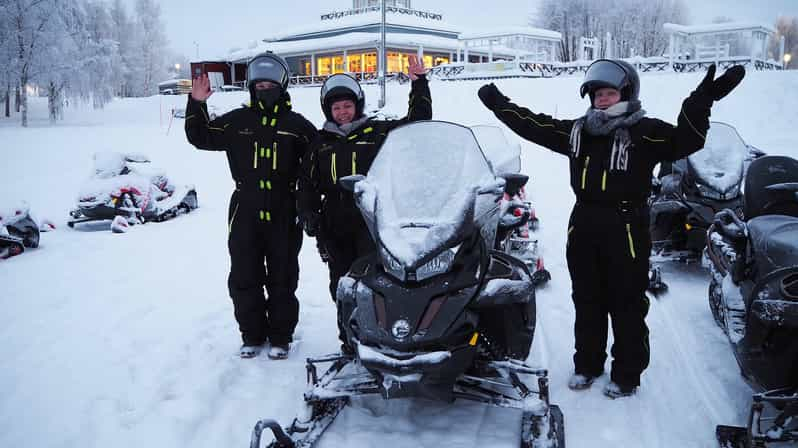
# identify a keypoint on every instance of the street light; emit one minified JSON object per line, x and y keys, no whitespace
{"x":787,"y":59}
{"x":177,"y":67}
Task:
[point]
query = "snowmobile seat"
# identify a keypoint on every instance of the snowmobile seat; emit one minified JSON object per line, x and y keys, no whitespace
{"x":773,"y":241}
{"x":762,"y":173}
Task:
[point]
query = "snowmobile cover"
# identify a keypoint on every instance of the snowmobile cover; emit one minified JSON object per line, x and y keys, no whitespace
{"x":719,"y":165}
{"x":504,"y":157}
{"x":762,"y":173}
{"x":429,"y":186}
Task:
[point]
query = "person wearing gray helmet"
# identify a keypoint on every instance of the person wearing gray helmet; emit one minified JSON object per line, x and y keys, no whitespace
{"x":265,"y":143}
{"x":612,"y":151}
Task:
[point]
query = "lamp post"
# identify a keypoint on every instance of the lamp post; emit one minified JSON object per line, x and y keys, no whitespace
{"x":787,"y":59}
{"x":381,"y":56}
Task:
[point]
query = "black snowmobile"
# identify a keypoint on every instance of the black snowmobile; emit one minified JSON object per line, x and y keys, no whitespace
{"x":753,"y":295}
{"x":518,"y":220}
{"x":436,"y":312}
{"x":18,"y":230}
{"x":125,"y":190}
{"x":687,"y":194}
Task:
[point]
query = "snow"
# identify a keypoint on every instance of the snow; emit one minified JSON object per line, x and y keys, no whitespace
{"x":539,"y":33}
{"x":719,"y":164}
{"x":129,"y":340}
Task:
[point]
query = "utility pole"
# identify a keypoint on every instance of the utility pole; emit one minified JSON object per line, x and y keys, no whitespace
{"x":382,"y":57}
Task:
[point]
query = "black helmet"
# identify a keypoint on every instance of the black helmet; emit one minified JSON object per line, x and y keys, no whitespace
{"x":267,"y":67}
{"x":613,"y":73}
{"x":341,"y":87}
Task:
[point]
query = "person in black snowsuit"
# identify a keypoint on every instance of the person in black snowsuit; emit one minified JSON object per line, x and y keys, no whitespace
{"x":613,"y":150}
{"x":347,"y":145}
{"x":265,"y":143}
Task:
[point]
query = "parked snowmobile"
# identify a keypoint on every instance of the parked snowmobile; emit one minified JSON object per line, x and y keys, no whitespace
{"x":689,"y":192}
{"x":753,"y":295}
{"x":518,"y":219}
{"x":435,"y":312}
{"x":127,"y":191}
{"x":19,"y":230}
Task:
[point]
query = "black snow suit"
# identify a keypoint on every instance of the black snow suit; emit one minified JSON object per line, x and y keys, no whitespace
{"x":264,"y":147}
{"x":608,"y":241}
{"x":342,"y":231}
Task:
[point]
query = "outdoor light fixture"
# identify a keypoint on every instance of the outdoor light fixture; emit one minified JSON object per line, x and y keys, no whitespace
{"x":787,"y":58}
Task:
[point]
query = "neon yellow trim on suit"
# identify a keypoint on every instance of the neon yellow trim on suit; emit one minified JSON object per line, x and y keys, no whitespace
{"x":584,"y":171}
{"x":631,"y":242}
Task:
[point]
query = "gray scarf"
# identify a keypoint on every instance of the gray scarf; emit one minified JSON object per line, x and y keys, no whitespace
{"x":614,"y":120}
{"x":344,"y":129}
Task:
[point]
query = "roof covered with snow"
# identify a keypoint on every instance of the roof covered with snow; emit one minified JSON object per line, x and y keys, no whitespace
{"x":365,"y":19}
{"x":352,"y":41}
{"x":728,"y":27}
{"x":538,"y":33}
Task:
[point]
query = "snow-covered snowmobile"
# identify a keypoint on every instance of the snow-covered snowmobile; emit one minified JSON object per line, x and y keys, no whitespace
{"x":688,"y":193}
{"x":436,"y":312}
{"x":518,"y":218}
{"x":753,"y":295}
{"x":127,"y":191}
{"x":19,"y":230}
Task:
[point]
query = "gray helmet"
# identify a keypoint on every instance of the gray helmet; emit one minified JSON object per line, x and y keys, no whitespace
{"x":614,"y":73}
{"x":267,"y":67}
{"x":341,"y":87}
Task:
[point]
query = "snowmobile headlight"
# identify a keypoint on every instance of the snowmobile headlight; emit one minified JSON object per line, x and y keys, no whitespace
{"x":711,"y":193}
{"x":438,"y":265}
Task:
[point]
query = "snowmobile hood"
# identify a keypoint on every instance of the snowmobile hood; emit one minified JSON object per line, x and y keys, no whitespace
{"x":775,"y":241}
{"x":428,"y":188}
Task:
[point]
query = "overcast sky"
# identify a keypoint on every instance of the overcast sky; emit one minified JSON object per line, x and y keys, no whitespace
{"x":216,"y":26}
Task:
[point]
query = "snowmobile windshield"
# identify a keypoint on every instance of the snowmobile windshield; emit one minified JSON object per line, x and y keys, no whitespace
{"x":427,"y":188}
{"x":109,"y":164}
{"x":604,"y":73}
{"x":266,"y":68}
{"x":718,"y":167}
{"x":503,"y":156}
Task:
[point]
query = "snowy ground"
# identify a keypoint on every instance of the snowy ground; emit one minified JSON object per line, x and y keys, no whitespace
{"x":129,"y":340}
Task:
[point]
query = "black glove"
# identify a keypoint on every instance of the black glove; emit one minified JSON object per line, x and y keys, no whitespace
{"x":725,"y":83}
{"x":491,"y":97}
{"x":310,"y":222}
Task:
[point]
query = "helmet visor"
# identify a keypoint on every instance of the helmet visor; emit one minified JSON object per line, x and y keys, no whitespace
{"x":341,"y":81}
{"x":604,"y":73}
{"x":264,"y":68}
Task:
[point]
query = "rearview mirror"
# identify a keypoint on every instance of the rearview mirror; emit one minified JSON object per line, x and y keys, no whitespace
{"x":348,"y":182}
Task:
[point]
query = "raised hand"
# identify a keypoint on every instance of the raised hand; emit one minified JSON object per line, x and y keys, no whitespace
{"x":725,"y":83}
{"x":415,"y":68}
{"x":491,"y":96}
{"x":201,"y":88}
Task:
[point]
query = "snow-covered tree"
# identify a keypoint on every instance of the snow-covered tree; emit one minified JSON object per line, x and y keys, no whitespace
{"x":152,"y":45}
{"x":636,"y":26}
{"x":788,"y":28}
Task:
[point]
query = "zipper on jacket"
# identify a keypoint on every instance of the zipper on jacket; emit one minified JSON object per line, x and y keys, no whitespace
{"x":604,"y":181}
{"x":332,"y":169}
{"x":631,"y":242}
{"x":274,"y":160}
{"x":584,"y":171}
{"x":354,"y":163}
{"x":255,"y":159}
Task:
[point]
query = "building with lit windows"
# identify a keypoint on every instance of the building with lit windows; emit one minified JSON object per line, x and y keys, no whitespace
{"x":348,"y":41}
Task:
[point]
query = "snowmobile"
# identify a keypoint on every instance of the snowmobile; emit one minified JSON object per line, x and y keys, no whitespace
{"x":19,"y":230}
{"x":435,"y":312}
{"x":753,"y":295}
{"x":125,"y":190}
{"x":518,"y":219}
{"x":688,"y":193}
